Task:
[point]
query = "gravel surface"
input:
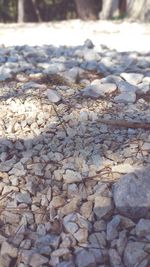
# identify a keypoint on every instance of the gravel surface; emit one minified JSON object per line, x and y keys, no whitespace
{"x":74,"y":155}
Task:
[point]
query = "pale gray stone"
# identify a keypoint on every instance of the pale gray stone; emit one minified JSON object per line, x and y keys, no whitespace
{"x":53,"y":96}
{"x":72,"y":177}
{"x":8,"y":249}
{"x":23,"y":198}
{"x":132,"y":194}
{"x":98,"y":89}
{"x":133,"y":78}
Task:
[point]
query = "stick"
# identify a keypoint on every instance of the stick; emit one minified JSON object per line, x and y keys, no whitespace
{"x":126,"y":124}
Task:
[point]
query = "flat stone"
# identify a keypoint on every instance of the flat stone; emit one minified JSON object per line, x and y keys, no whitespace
{"x":97,"y":90}
{"x":53,"y":96}
{"x":133,"y":78}
{"x":102,"y":206}
{"x":132,"y":194}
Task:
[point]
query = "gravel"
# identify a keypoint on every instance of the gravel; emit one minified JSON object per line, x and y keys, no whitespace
{"x":74,"y":165}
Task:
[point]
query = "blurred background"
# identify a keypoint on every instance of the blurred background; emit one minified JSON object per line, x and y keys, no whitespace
{"x":56,"y":10}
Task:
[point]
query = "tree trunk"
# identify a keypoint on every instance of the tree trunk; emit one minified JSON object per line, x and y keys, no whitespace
{"x":110,"y":8}
{"x":21,"y":11}
{"x":87,"y":9}
{"x":139,"y":9}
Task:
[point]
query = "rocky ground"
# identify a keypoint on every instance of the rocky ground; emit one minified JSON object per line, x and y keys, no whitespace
{"x":74,"y":156}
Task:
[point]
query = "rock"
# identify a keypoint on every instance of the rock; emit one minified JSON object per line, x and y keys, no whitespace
{"x":85,"y":258}
{"x":103,"y":206}
{"x":97,"y":90}
{"x":8,"y":249}
{"x":66,"y":264}
{"x":134,"y":254}
{"x":125,"y":87}
{"x":131,"y":194}
{"x":88,"y":43}
{"x":81,"y":235}
{"x":143,"y":228}
{"x":86,"y":209}
{"x":18,"y":169}
{"x":8,"y":164}
{"x":72,"y":177}
{"x":60,"y":252}
{"x":112,"y":228}
{"x":100,"y":225}
{"x":98,"y":240}
{"x":48,"y":240}
{"x":23,"y":198}
{"x":121,"y":242}
{"x":33,"y":258}
{"x":126,"y":97}
{"x":5,"y":261}
{"x":133,"y":78}
{"x":53,"y":96}
{"x":71,"y":206}
{"x":124,"y":168}
{"x":115,"y":259}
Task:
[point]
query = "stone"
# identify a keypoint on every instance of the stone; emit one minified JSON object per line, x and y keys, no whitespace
{"x":103,"y":206}
{"x":125,"y":97}
{"x":97,"y":90}
{"x":134,"y":254}
{"x":84,"y":258}
{"x":131,"y":194}
{"x":81,"y":235}
{"x":115,"y":259}
{"x":143,"y":228}
{"x":133,"y":78}
{"x":98,"y":240}
{"x":5,"y":261}
{"x":60,"y":252}
{"x":8,"y":249}
{"x":53,"y":96}
{"x":112,"y":228}
{"x":72,"y":177}
{"x":23,"y":198}
{"x":121,"y":242}
{"x":33,"y":258}
{"x":48,"y":240}
{"x":8,"y":164}
{"x":70,"y":207}
{"x":124,"y":168}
